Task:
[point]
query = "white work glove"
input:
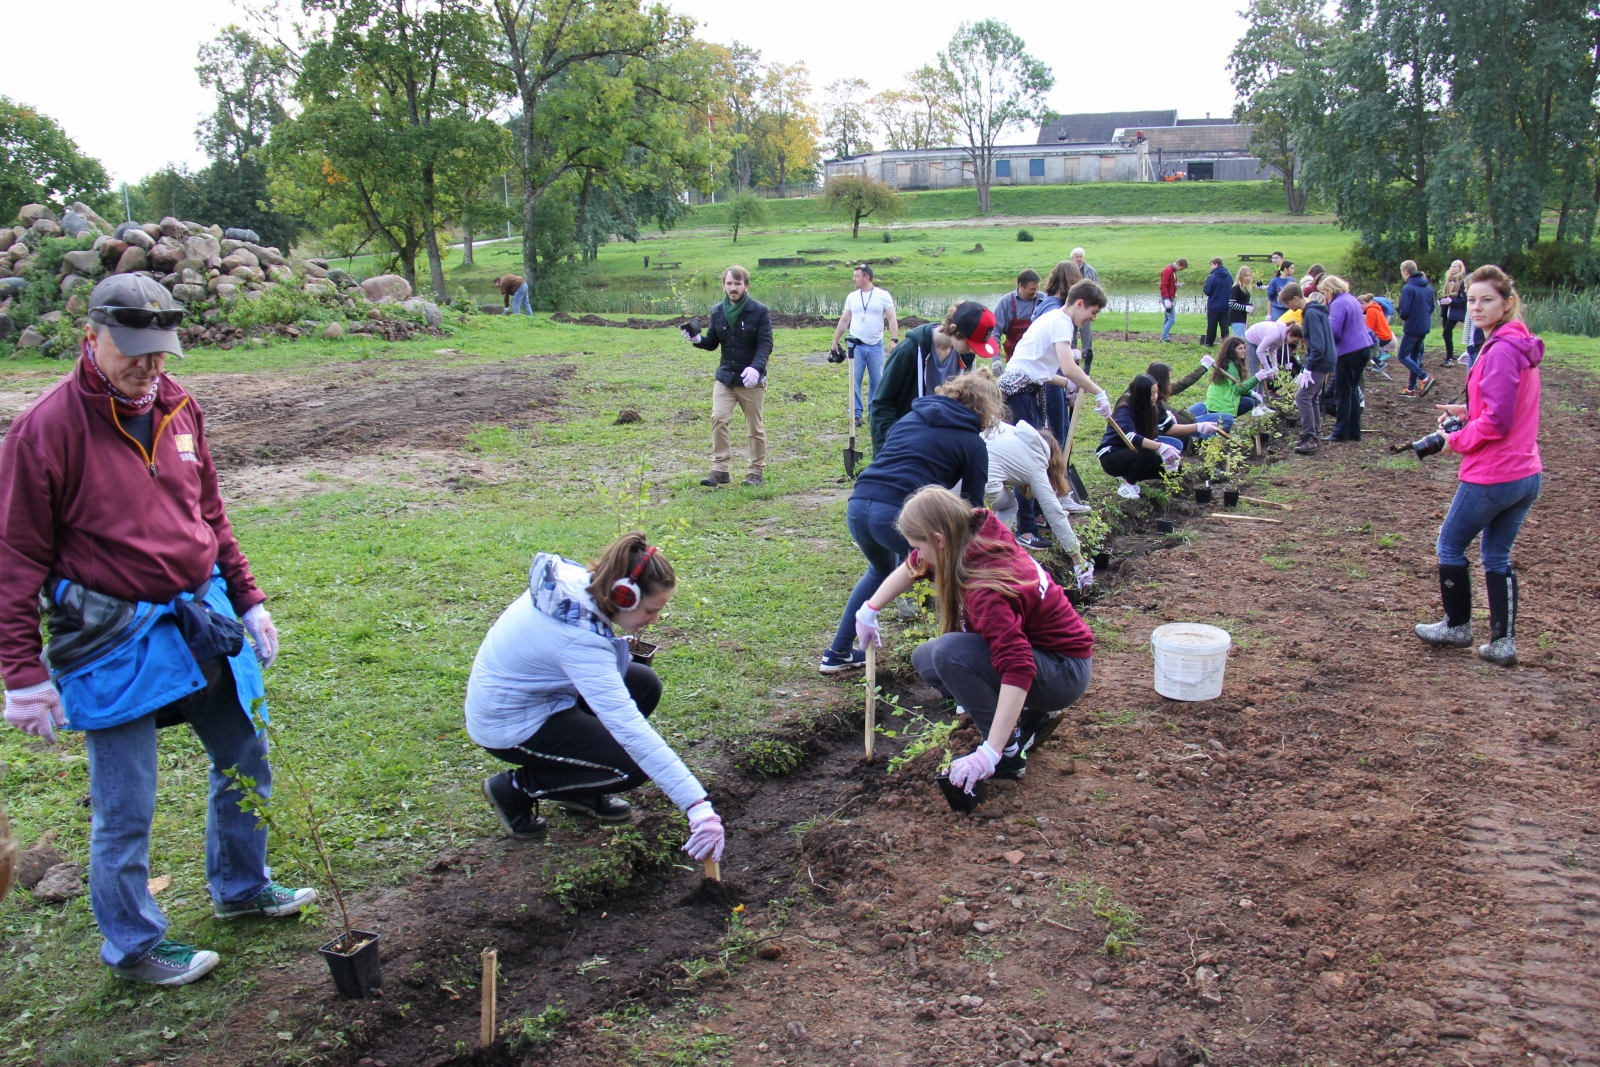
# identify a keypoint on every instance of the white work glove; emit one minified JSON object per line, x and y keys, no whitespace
{"x":1169,"y":456}
{"x":1207,"y":362}
{"x":706,"y":836}
{"x":750,"y":377}
{"x":687,"y":336}
{"x":1267,"y":374}
{"x":258,"y":624}
{"x":1102,"y":404}
{"x":1206,"y":429}
{"x":1305,"y":380}
{"x":1083,"y":574}
{"x":969,"y":770}
{"x":36,"y":709}
{"x":1166,"y":305}
{"x":867,"y":626}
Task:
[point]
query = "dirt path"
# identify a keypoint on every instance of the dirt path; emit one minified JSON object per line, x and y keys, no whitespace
{"x":1366,"y":851}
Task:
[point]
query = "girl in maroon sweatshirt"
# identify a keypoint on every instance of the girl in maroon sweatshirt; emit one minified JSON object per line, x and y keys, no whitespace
{"x":1013,"y":653}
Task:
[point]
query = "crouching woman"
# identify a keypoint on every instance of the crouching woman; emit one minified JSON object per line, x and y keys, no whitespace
{"x":554,"y":690}
{"x":1013,"y":653}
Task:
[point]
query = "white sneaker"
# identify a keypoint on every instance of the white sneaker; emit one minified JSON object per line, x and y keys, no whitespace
{"x":1128,"y":490}
{"x":1070,"y":505}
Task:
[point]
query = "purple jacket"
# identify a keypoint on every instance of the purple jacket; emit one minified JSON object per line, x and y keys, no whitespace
{"x":1500,"y":442}
{"x":1349,"y":323}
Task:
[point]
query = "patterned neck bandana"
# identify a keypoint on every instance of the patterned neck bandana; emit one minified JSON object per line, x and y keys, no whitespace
{"x":126,"y":404}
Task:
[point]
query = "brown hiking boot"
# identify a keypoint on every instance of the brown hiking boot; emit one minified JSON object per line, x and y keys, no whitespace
{"x":752,"y":480}
{"x":715,"y":478}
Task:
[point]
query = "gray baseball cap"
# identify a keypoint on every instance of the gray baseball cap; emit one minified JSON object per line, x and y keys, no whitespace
{"x":135,"y":293}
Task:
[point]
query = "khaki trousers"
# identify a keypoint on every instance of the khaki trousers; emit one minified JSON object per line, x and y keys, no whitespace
{"x":749,"y":401}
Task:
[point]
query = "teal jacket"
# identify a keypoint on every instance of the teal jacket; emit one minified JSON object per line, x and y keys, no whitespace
{"x":1223,"y":398}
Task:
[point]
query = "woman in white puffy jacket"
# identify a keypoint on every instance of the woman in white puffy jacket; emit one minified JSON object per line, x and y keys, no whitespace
{"x":1020,"y":457}
{"x":554,"y":690}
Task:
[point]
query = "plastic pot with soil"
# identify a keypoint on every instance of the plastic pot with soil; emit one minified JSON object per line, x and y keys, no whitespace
{"x":354,"y":963}
{"x":642,"y":651}
{"x":1202,"y":494}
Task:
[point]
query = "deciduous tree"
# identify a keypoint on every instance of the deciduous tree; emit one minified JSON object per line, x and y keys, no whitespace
{"x":856,"y":196}
{"x":746,"y":209}
{"x":39,"y":163}
{"x":845,"y":118}
{"x":1279,"y":70}
{"x":995,"y":85}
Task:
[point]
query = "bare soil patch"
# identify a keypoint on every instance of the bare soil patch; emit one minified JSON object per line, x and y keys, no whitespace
{"x":1366,"y":851}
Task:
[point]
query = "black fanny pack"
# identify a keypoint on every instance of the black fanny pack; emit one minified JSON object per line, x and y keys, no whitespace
{"x":84,"y":623}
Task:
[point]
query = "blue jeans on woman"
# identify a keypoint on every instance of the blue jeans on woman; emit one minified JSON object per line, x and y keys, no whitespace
{"x":122,"y":800}
{"x":869,"y":362}
{"x":1496,"y":511}
{"x":871,"y":525}
{"x":1222,"y":417}
{"x":520,"y":304}
{"x":1411,"y":356}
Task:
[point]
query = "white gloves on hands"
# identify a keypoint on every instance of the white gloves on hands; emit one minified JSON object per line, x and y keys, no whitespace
{"x":1267,"y":374}
{"x":1102,"y":404}
{"x":36,"y":709}
{"x":1207,"y":362}
{"x":1305,"y":380}
{"x":706,"y":836}
{"x":750,"y":377}
{"x":258,"y":624}
{"x":867,"y":631}
{"x":973,"y":768}
{"x":1083,"y":574}
{"x":1170,"y":457}
{"x":1206,"y":429}
{"x":687,"y":336}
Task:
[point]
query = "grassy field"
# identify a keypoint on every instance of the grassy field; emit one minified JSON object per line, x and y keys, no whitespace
{"x":382,"y":596}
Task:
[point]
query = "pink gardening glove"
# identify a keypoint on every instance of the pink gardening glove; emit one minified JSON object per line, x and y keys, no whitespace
{"x":258,"y":624}
{"x":1169,"y":456}
{"x":750,"y":377}
{"x":36,"y":709}
{"x":969,"y":770}
{"x":706,"y":836}
{"x":867,"y":631}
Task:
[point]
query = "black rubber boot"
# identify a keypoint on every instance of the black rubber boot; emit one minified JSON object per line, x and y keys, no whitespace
{"x":1502,"y":646}
{"x":1455,"y":589}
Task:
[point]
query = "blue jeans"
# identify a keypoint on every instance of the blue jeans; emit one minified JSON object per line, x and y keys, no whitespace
{"x":1236,"y":328}
{"x":1056,"y":412}
{"x":1496,"y":511}
{"x":1202,"y":415}
{"x":871,"y":524}
{"x":1169,"y":319}
{"x":869,"y":362}
{"x":1411,"y":356}
{"x":520,"y":304}
{"x":122,"y":799}
{"x":1027,"y":407}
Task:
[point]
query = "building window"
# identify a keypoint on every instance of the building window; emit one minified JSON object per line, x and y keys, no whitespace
{"x":1002,"y":168}
{"x":1036,"y":168}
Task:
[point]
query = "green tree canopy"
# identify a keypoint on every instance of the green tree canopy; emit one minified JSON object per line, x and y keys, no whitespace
{"x":856,"y":196}
{"x":40,"y":164}
{"x":995,"y":85}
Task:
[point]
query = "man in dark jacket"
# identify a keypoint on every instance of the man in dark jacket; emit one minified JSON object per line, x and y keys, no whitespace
{"x":924,"y":359}
{"x":109,"y":512}
{"x":1218,"y":289}
{"x":1416,"y":315}
{"x":742,"y":328}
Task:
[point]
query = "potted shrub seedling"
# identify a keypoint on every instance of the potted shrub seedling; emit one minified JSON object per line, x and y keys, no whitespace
{"x":293,"y":819}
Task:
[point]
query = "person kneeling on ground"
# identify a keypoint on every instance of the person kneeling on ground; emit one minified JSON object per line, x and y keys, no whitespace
{"x":1024,"y":461}
{"x":1012,"y":652}
{"x":553,"y":690}
{"x":1168,"y":425}
{"x":1227,"y":397}
{"x":1138,"y":414}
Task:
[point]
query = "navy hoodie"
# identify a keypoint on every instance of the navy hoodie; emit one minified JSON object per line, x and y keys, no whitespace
{"x":1416,"y":304}
{"x":938,"y":443}
{"x":1218,"y":288}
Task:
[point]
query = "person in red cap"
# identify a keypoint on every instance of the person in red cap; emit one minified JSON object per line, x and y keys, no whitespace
{"x":930,"y":355}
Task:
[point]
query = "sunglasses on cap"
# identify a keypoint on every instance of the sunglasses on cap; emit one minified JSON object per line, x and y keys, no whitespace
{"x":142,"y":318}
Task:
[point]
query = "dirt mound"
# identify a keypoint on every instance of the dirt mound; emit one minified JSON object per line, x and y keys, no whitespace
{"x":371,"y":405}
{"x":780,"y":320}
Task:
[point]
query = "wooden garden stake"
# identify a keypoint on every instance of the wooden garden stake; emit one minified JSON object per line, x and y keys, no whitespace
{"x":872,"y":697}
{"x":486,"y":1026}
{"x":713,"y":870}
{"x":1268,"y":503}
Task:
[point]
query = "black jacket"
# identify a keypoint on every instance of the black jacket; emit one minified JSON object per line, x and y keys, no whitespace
{"x":1321,"y":354}
{"x":901,"y":382}
{"x":747,"y":345}
{"x":938,"y":443}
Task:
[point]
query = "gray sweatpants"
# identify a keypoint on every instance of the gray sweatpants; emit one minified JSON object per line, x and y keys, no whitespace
{"x":1308,"y":401}
{"x":958,"y":665}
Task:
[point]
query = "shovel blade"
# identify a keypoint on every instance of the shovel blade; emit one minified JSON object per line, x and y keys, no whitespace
{"x":851,"y":459}
{"x":1080,"y":492}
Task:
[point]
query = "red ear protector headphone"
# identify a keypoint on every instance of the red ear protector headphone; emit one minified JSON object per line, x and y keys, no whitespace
{"x":625,"y":592}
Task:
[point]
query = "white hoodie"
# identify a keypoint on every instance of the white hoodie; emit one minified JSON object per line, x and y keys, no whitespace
{"x":1019,"y":456}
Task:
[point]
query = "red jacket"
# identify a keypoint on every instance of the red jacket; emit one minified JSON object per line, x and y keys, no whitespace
{"x":79,"y":500}
{"x":1169,"y":282}
{"x":1039,"y":618}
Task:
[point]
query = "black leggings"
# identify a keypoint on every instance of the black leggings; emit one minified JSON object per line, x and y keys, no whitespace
{"x":1450,"y":338}
{"x":1132,"y":464}
{"x":574,"y":755}
{"x":1216,"y":323}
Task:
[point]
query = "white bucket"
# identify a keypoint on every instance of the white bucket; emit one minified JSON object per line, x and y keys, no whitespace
{"x":1190,"y":659}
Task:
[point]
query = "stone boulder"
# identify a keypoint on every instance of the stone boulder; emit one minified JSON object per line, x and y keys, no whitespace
{"x":166,"y":255}
{"x":240,"y":255}
{"x":342,"y":278}
{"x":31,"y":338}
{"x":171,"y":227}
{"x":10,"y":287}
{"x":75,"y":225}
{"x":89,"y":213}
{"x":333,"y":332}
{"x":60,"y":883}
{"x":245,"y":273}
{"x":280,"y":273}
{"x":189,"y":293}
{"x":204,"y":247}
{"x":32,"y":863}
{"x":76,"y":304}
{"x":269,"y":256}
{"x":227,"y":290}
{"x":29,"y":212}
{"x":46,"y":227}
{"x":82,"y":262}
{"x":136,"y":237}
{"x":193,"y":227}
{"x":152,"y":230}
{"x":121,"y":232}
{"x":317,"y":287}
{"x":188,"y":275}
{"x":73,"y":282}
{"x":313,"y":271}
{"x":111,"y":253}
{"x":387,"y":289}
{"x":133,"y":259}
{"x":7,"y":327}
{"x":237,"y":233}
{"x":427,"y":308}
{"x":491,"y":309}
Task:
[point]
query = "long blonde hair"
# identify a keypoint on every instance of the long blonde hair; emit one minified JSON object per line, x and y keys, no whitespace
{"x":1455,"y":278}
{"x":1245,"y":278}
{"x":1055,"y":468}
{"x":977,"y":392}
{"x":934,"y":509}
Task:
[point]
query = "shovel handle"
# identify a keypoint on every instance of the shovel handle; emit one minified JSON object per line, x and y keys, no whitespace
{"x":713,"y":870}
{"x":871,"y":727}
{"x":1120,"y":431}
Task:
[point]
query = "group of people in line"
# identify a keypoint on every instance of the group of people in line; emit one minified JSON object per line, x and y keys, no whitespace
{"x":112,"y":526}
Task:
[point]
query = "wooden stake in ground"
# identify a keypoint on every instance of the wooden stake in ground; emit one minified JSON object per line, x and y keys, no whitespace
{"x":489,"y":991}
{"x":1268,"y":503}
{"x":1243,"y":518}
{"x":713,"y":870}
{"x":872,"y":697}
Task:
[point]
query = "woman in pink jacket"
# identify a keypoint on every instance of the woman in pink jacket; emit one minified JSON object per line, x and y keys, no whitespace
{"x":1498,"y":442}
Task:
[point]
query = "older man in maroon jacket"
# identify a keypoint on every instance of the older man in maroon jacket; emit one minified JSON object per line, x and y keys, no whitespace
{"x":110,"y":520}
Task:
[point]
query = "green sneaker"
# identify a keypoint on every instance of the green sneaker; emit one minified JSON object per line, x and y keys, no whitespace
{"x":170,"y":963}
{"x":274,"y":901}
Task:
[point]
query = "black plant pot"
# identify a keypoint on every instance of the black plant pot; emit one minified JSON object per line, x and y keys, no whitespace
{"x":642,"y":651}
{"x":1164,"y":526}
{"x":1202,"y":494}
{"x":959,"y":800}
{"x":1230,"y":498}
{"x":355,"y":974}
{"x":1102,"y":560}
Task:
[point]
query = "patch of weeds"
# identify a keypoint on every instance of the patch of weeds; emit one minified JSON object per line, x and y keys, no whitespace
{"x":1099,"y":796}
{"x":772,"y":757}
{"x":1389,"y":540}
{"x":531,"y":1033}
{"x":593,"y":874}
{"x":1279,"y":563}
{"x":982,"y":952}
{"x":926,"y":735}
{"x":1126,"y":717}
{"x":1123,"y":924}
{"x":1571,"y":859}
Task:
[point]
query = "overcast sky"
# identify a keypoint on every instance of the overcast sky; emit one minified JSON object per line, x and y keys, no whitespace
{"x":119,"y":75}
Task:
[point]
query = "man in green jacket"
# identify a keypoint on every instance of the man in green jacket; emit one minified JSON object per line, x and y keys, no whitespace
{"x":927,"y":356}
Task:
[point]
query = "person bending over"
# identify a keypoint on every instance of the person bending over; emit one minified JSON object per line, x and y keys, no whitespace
{"x":1025,"y":462}
{"x":1501,"y":470}
{"x":939,"y":443}
{"x":553,"y":691}
{"x":1228,"y":395}
{"x":1139,"y":453}
{"x":1012,"y":653}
